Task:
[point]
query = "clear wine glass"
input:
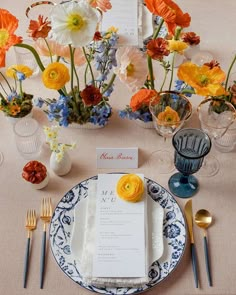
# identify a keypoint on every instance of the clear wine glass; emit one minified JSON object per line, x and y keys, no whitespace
{"x":191,"y":146}
{"x":216,"y":115}
{"x":169,"y":112}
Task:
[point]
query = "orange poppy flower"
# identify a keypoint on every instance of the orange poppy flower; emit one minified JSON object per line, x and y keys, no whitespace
{"x":8,"y":25}
{"x":205,"y":80}
{"x":40,"y":28}
{"x":168,"y":117}
{"x":141,"y":98}
{"x":170,"y":12}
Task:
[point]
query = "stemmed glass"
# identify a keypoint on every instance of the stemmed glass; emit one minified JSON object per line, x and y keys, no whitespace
{"x":191,"y":146}
{"x":215,"y":115}
{"x":169,"y":112}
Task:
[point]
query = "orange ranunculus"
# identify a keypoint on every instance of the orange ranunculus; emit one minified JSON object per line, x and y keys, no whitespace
{"x":130,"y":188}
{"x":170,"y":12}
{"x":34,"y":172}
{"x":205,"y":80}
{"x":168,"y":117}
{"x":40,"y":28}
{"x":157,"y":48}
{"x":8,"y":25}
{"x":141,"y":98}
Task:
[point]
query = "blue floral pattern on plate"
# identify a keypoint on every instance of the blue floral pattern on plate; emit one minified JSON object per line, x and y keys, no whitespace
{"x":174,"y":236}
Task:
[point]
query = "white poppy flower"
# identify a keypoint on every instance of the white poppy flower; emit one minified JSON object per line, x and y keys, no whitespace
{"x":131,"y":67}
{"x":74,"y":23}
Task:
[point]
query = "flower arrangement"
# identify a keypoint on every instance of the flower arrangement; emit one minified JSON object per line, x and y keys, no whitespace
{"x":14,"y":102}
{"x":72,"y":42}
{"x":208,"y":80}
{"x":56,"y":146}
{"x":138,"y":70}
{"x":34,"y":172}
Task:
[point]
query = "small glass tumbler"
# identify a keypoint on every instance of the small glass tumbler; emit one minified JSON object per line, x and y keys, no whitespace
{"x":191,"y":146}
{"x":28,"y":138}
{"x":25,"y":57}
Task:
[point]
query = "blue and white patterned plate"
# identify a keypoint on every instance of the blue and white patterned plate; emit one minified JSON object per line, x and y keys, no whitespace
{"x":174,"y":237}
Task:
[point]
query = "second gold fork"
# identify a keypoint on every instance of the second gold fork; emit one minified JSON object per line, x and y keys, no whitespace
{"x":45,"y":215}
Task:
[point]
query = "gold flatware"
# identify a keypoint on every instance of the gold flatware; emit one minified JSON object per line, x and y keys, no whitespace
{"x":45,"y":215}
{"x":203,"y":219}
{"x":189,"y":216}
{"x":30,"y":225}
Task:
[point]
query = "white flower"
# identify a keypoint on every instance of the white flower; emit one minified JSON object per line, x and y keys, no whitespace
{"x":131,"y":67}
{"x":74,"y":23}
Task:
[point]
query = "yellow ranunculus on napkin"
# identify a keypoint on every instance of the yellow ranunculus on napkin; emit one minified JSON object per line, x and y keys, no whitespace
{"x":83,"y":240}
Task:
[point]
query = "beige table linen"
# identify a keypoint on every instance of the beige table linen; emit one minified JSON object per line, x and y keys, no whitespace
{"x":215,"y":22}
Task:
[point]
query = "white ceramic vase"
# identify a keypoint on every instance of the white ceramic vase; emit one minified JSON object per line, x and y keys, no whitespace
{"x":63,"y":167}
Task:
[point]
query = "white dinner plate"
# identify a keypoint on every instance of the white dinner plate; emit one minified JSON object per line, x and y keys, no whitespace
{"x":174,"y":236}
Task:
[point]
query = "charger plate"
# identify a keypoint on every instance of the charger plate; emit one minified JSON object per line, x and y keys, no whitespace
{"x":174,"y":237}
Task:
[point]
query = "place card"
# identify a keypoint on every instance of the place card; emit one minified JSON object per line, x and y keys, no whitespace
{"x":127,"y":17}
{"x":117,"y":157}
{"x":120,"y":232}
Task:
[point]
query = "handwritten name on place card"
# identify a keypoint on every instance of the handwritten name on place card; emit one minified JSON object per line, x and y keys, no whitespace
{"x":117,"y":157}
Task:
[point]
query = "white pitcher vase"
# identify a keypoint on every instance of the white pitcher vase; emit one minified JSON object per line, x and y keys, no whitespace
{"x":63,"y":166}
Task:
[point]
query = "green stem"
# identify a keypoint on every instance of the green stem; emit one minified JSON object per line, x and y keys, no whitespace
{"x":164,"y":80}
{"x":35,"y":54}
{"x":8,"y":84}
{"x":188,"y":91}
{"x":149,"y":60}
{"x":176,"y":37}
{"x":172,"y":70}
{"x":21,"y":89}
{"x":49,"y":49}
{"x":89,"y":65}
{"x":229,"y":71}
{"x":110,"y":83}
{"x":72,"y":70}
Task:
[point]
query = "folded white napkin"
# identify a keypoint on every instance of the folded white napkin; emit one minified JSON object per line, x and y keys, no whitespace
{"x":83,"y":240}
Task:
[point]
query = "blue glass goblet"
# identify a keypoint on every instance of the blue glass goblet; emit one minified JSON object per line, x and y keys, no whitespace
{"x":191,"y":146}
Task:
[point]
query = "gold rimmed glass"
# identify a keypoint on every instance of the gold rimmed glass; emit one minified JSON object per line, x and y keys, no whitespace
{"x":216,"y":115}
{"x":170,"y":110}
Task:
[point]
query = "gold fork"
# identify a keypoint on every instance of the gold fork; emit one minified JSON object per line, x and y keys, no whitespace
{"x":30,"y":225}
{"x":45,"y":215}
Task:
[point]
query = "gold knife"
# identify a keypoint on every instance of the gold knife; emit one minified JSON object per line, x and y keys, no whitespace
{"x":189,"y":216}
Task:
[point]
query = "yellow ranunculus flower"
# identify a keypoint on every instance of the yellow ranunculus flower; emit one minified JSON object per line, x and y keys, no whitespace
{"x":55,"y":76}
{"x":168,"y":117}
{"x":130,"y":187}
{"x":11,"y":71}
{"x":177,"y":46}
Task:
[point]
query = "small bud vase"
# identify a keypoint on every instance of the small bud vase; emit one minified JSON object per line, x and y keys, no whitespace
{"x":63,"y":166}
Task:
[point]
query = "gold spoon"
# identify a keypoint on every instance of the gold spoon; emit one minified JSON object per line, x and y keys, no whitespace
{"x":203,"y":219}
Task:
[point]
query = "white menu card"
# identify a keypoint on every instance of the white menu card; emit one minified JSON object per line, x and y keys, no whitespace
{"x":120,"y":232}
{"x":126,"y":15}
